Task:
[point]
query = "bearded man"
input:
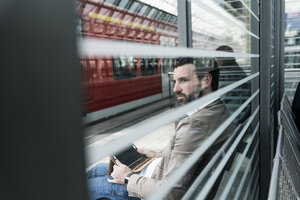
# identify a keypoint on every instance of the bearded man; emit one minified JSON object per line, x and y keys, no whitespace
{"x":190,"y":83}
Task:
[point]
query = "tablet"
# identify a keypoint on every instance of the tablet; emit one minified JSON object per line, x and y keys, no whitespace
{"x":129,"y":156}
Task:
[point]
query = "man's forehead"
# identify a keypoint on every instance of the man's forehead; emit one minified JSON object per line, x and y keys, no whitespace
{"x":187,"y":69}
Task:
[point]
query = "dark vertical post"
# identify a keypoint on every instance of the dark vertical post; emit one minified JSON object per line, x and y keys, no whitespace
{"x":276,"y":55}
{"x":41,"y":144}
{"x":279,"y":58}
{"x":255,"y":60}
{"x":265,"y":96}
{"x":184,"y":27}
{"x":254,"y":68}
{"x":184,"y":23}
{"x":281,"y":48}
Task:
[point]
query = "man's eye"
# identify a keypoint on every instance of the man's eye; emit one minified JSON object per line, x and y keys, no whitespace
{"x":183,"y":80}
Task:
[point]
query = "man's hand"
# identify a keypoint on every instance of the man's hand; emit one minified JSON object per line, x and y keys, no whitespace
{"x":149,"y":154}
{"x":119,"y":173}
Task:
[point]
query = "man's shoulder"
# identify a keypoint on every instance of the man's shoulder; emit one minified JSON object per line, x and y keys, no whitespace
{"x":215,"y":108}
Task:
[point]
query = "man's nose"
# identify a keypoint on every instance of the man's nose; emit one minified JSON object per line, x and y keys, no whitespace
{"x":176,"y":88}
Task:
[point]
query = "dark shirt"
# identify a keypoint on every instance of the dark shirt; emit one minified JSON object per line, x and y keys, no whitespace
{"x":296,"y":107}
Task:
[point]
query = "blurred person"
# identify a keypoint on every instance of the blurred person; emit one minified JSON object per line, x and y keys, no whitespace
{"x":296,"y":107}
{"x":189,"y":84}
{"x":229,"y":64}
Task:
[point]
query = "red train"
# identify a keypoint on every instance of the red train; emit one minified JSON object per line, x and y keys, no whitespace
{"x":116,"y":84}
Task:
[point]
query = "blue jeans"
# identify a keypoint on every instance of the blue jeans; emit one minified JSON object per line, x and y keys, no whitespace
{"x":98,"y":187}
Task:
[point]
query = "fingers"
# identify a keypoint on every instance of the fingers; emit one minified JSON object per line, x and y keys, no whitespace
{"x":118,"y":163}
{"x":140,"y":151}
{"x":111,"y":181}
{"x":144,"y":152}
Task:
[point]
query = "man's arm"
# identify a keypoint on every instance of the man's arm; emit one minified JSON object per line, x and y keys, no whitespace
{"x":188,"y":138}
{"x":149,"y":154}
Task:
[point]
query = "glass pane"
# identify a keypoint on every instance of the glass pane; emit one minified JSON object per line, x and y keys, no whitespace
{"x":292,"y":48}
{"x":149,"y":66}
{"x":110,"y":1}
{"x":134,"y":6}
{"x":123,"y":3}
{"x":159,"y":14}
{"x":224,"y":26}
{"x":142,"y":11}
{"x":124,"y":68}
{"x":150,"y":14}
{"x":155,"y":12}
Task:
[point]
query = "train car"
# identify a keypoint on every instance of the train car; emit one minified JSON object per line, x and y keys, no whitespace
{"x":117,"y":84}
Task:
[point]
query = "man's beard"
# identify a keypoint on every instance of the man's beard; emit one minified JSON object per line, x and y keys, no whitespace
{"x":185,"y":98}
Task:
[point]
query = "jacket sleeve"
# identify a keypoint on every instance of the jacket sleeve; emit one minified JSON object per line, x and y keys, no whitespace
{"x":139,"y":186}
{"x":189,"y":136}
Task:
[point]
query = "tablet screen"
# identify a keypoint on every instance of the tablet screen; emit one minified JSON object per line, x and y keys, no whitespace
{"x":128,"y":156}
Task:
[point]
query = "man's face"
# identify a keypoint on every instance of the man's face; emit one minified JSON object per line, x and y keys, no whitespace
{"x":186,"y":83}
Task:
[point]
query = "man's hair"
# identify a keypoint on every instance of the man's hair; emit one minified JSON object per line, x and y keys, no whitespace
{"x":227,"y":61}
{"x":200,"y":71}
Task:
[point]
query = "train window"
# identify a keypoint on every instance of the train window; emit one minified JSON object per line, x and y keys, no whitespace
{"x":154,"y":14}
{"x":173,"y":20}
{"x":124,"y":67}
{"x":137,"y":10}
{"x":110,"y":1}
{"x":144,"y":8}
{"x":167,"y":17}
{"x":150,"y":14}
{"x":147,"y":11}
{"x":149,"y":66}
{"x":154,"y":65}
{"x":158,"y":15}
{"x":161,"y":17}
{"x":134,"y":6}
{"x":123,"y":3}
{"x":164,"y":63}
{"x":167,"y":65}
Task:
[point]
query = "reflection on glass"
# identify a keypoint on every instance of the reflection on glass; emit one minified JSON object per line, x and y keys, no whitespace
{"x":292,"y":47}
{"x":123,"y":3}
{"x":124,"y":67}
{"x":216,"y":23}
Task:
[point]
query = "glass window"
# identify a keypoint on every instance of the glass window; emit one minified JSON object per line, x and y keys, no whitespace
{"x":167,"y":17}
{"x":161,"y":17}
{"x":142,"y":11}
{"x":171,"y":19}
{"x":123,"y":3}
{"x":139,"y":8}
{"x":124,"y":67}
{"x":147,"y":11}
{"x":134,"y":6}
{"x":110,"y":1}
{"x":154,"y":13}
{"x":158,"y":15}
{"x":150,"y":14}
{"x":149,"y":66}
{"x":167,"y":65}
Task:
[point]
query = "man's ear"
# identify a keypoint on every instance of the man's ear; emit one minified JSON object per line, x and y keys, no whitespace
{"x":206,"y":81}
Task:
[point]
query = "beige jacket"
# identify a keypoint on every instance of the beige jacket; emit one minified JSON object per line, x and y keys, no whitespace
{"x":190,"y":134}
